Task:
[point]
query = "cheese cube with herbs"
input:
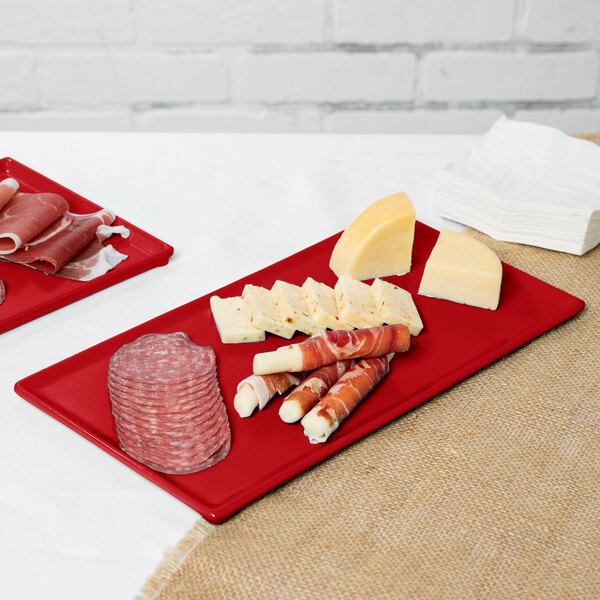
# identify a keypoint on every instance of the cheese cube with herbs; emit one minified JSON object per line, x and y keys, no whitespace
{"x":292,"y":307}
{"x":396,"y":305}
{"x":264,"y":312}
{"x":320,"y":299}
{"x":462,"y":269}
{"x":379,"y":242}
{"x":233,"y":320}
{"x":355,"y":303}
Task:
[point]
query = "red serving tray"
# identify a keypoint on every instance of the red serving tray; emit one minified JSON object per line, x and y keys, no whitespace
{"x":31,"y":294}
{"x":457,"y":340}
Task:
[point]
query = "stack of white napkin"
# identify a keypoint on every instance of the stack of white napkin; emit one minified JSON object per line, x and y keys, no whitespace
{"x":527,"y":183}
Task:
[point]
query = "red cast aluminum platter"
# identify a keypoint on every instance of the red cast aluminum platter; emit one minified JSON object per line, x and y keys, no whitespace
{"x":457,"y":340}
{"x":31,"y":294}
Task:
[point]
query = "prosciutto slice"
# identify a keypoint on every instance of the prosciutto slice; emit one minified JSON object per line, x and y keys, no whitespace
{"x":301,"y":399}
{"x":25,"y":216}
{"x":258,"y":390}
{"x":327,"y":347}
{"x":54,"y":247}
{"x":38,"y":231}
{"x":8,"y":188}
{"x":343,"y":397}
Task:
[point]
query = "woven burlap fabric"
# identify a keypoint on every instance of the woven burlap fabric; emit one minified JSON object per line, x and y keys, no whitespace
{"x":489,"y":490}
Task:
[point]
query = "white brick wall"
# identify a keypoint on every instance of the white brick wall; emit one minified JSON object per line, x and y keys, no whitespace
{"x":422,"y":21}
{"x":412,"y":66}
{"x":501,"y":76}
{"x":326,"y":77}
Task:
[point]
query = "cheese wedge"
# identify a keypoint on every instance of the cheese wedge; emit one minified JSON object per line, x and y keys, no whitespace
{"x":292,"y":307}
{"x":462,"y":269}
{"x":396,"y":305}
{"x":320,"y":299}
{"x":264,"y":312}
{"x":378,"y":243}
{"x":355,"y":303}
{"x":233,"y":320}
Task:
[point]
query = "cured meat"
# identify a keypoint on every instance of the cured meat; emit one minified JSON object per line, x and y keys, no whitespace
{"x":257,"y":390}
{"x":95,"y":259}
{"x":300,"y":400}
{"x":8,"y":188}
{"x":167,"y":404}
{"x":343,"y":397}
{"x":163,"y":359}
{"x":327,"y":347}
{"x":2,"y":291}
{"x":27,"y":215}
{"x":54,"y":247}
{"x":37,"y":230}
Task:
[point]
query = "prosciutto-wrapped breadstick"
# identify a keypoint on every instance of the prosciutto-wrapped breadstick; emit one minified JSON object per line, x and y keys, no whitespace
{"x":327,"y":347}
{"x":343,"y":397}
{"x":257,"y":390}
{"x":301,"y":399}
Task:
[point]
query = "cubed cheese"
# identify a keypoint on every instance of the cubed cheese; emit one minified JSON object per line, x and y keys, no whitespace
{"x":292,"y":307}
{"x":396,"y":305}
{"x":233,"y":320}
{"x":378,"y":242}
{"x":264,"y":313}
{"x":320,"y":299}
{"x":355,"y":303}
{"x":462,"y":269}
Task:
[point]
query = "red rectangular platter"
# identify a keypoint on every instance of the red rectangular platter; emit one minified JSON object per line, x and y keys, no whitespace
{"x":31,"y":294}
{"x":457,"y":340}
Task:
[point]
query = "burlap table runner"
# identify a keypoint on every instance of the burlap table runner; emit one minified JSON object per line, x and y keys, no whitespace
{"x":490,"y":490}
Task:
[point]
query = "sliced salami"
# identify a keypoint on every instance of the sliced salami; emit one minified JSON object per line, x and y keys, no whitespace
{"x":167,"y":404}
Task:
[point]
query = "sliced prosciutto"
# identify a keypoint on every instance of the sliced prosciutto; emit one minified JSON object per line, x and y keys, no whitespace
{"x":343,"y":397}
{"x":327,"y":347}
{"x":258,"y":390}
{"x":25,"y":216}
{"x":301,"y":399}
{"x":2,"y":291}
{"x":37,"y":230}
{"x":8,"y":188}
{"x":54,"y":247}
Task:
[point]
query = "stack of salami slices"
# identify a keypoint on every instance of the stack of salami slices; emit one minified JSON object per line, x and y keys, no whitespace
{"x":167,"y":403}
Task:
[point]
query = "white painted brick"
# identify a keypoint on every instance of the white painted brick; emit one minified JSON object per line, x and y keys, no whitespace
{"x":561,"y":21}
{"x":411,"y":121}
{"x":326,"y":77}
{"x":66,"y":121}
{"x":67,"y":21}
{"x":19,"y":87}
{"x":572,"y":120}
{"x":229,"y":120}
{"x":422,"y":21}
{"x":233,"y":21}
{"x":125,"y":78}
{"x":496,"y":76}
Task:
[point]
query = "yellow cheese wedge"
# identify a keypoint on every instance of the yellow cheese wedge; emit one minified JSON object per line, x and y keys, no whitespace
{"x":462,"y":269}
{"x":378,"y":243}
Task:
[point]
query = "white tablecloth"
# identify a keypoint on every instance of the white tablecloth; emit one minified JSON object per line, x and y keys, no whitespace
{"x":75,"y":522}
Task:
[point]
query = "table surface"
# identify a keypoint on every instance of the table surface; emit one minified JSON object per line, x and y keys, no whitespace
{"x":76,"y":522}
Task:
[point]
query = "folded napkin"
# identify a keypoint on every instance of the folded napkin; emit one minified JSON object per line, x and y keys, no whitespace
{"x":526,"y":183}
